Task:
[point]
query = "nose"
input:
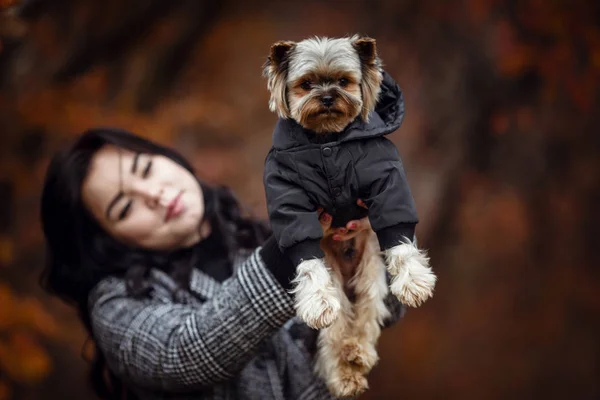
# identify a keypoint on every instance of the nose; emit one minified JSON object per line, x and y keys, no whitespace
{"x":158,"y":199}
{"x":152,"y":196}
{"x":327,"y":100}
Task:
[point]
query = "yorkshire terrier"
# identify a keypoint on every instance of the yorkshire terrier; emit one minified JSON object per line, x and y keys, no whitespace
{"x":335,"y":105}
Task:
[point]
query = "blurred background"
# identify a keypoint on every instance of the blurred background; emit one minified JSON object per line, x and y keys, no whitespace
{"x":501,"y":144}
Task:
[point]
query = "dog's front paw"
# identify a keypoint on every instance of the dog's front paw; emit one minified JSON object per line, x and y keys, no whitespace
{"x":413,"y":281}
{"x":412,"y":294}
{"x":320,"y":313}
{"x":316,"y":301}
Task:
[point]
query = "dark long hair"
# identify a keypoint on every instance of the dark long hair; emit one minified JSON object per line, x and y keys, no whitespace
{"x":79,"y":253}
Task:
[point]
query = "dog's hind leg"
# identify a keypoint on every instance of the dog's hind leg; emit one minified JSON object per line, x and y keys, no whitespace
{"x":347,"y":349}
{"x":370,"y":288}
{"x":343,"y":378}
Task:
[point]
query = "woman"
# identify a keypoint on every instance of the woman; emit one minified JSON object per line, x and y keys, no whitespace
{"x":184,"y":296}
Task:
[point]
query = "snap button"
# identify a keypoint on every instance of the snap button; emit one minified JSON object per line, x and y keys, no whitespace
{"x":327,"y":151}
{"x":337,"y":191}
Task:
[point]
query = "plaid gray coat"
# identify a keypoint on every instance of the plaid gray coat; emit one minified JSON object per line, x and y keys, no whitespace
{"x":238,"y":339}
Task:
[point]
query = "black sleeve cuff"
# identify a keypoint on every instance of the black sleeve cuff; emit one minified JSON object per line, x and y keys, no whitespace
{"x":306,"y":250}
{"x":393,"y":235}
{"x":278,"y":263}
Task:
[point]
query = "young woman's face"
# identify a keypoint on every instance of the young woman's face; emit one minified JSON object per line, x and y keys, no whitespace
{"x":144,"y":200}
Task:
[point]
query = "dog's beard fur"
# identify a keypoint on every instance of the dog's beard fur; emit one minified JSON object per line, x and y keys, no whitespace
{"x":309,"y":111}
{"x":300,"y":75}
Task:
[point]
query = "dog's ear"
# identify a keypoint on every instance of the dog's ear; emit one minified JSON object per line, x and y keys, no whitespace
{"x":371,"y":74}
{"x":275,"y":70}
{"x":279,"y":51}
{"x":366,"y":48}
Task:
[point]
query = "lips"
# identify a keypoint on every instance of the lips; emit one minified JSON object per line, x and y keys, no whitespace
{"x":175,"y":207}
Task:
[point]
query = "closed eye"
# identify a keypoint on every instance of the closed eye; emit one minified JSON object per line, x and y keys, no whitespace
{"x":125,"y":211}
{"x":147,"y":170}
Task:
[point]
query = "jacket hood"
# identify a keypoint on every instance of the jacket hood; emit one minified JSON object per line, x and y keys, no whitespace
{"x":386,"y":118}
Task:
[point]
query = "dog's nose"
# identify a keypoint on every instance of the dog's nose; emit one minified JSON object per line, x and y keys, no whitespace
{"x":327,"y":101}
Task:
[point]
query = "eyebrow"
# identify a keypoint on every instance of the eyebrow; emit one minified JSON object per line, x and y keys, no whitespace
{"x":135,"y":163}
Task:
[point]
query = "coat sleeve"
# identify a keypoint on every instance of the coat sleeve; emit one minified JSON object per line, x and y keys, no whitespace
{"x":294,"y":219}
{"x":179,"y":347}
{"x":385,"y":191}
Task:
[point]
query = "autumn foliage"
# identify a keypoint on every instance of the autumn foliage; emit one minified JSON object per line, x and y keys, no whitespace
{"x":500,"y":144}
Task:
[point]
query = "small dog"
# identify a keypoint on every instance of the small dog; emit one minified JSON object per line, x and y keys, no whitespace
{"x":335,"y":105}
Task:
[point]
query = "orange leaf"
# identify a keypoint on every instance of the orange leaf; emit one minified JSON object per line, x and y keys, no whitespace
{"x":512,"y":56}
{"x":500,"y":122}
{"x":7,"y":306}
{"x":32,"y":314}
{"x":7,"y":3}
{"x":6,"y":251}
{"x":5,"y":390}
{"x":479,"y":10}
{"x":26,"y":312}
{"x":23,"y":359}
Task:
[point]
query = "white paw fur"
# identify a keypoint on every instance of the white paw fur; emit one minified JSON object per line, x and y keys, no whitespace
{"x":316,"y":300}
{"x":413,"y":280}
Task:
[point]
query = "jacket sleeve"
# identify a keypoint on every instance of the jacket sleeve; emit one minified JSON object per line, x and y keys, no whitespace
{"x":385,"y":191}
{"x":179,"y":347}
{"x":294,"y":219}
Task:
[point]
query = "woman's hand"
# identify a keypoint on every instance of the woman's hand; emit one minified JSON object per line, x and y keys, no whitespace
{"x":352,"y":228}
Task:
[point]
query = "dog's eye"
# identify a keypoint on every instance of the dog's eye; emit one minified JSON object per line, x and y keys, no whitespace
{"x":343,"y":82}
{"x":306,"y":85}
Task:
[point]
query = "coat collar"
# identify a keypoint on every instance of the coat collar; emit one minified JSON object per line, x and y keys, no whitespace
{"x":201,"y":283}
{"x":387,"y":117}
